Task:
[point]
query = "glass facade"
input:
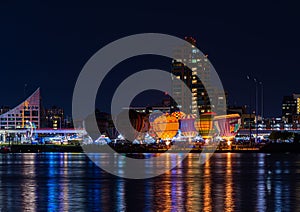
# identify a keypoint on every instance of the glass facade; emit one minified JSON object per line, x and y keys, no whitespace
{"x":189,"y":56}
{"x":20,"y":116}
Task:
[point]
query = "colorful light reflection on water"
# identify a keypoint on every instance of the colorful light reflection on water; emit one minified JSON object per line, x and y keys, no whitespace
{"x":227,"y":182}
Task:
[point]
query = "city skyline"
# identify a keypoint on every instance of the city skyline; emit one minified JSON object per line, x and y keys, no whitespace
{"x":52,"y":50}
{"x":149,"y":106}
{"x":158,"y":99}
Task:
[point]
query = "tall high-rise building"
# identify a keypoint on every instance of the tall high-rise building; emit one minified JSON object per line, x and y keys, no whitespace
{"x":291,"y":109}
{"x":188,"y":64}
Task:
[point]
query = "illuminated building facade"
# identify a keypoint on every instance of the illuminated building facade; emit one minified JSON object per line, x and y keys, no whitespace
{"x":189,"y":56}
{"x":291,"y":109}
{"x":28,"y":112}
{"x":55,"y":117}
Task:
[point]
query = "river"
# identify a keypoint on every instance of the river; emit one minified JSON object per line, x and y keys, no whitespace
{"x":226,"y":182}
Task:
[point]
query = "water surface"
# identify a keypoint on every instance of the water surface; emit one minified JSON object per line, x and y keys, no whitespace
{"x":227,"y":182}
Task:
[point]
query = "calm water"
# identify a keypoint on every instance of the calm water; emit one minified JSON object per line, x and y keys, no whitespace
{"x":227,"y":182}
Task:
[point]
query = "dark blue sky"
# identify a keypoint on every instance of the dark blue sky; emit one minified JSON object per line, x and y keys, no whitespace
{"x":46,"y":43}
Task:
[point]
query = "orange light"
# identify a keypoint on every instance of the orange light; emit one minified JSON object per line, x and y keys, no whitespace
{"x":165,"y":126}
{"x":178,"y":114}
{"x":205,"y":125}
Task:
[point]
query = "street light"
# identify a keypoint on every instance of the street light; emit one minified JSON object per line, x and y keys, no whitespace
{"x":256,"y":108}
{"x":262,"y":100}
{"x":250,"y":112}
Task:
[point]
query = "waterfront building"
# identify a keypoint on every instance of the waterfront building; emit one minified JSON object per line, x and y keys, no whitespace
{"x":291,"y":109}
{"x":185,"y":57}
{"x":149,"y":110}
{"x":247,"y":120}
{"x":54,"y":117}
{"x":25,"y":114}
{"x":104,"y":121}
{"x":68,"y":123}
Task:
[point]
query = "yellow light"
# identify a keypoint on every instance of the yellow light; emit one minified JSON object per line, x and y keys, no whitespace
{"x":166,"y":126}
{"x":204,"y":125}
{"x":228,"y":143}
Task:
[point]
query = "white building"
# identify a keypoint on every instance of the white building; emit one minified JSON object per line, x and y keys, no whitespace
{"x":25,"y":113}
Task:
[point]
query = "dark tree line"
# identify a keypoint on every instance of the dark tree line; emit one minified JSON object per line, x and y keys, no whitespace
{"x":285,"y":135}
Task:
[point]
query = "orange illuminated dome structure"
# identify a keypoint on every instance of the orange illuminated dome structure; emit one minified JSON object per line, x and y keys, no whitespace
{"x":151,"y":132}
{"x":152,"y":117}
{"x":178,"y":114}
{"x":187,"y":127}
{"x":139,"y":124}
{"x":227,"y":126}
{"x":204,"y":125}
{"x":165,"y":126}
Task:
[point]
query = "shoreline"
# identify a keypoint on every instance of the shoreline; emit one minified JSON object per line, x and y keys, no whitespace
{"x":27,"y":148}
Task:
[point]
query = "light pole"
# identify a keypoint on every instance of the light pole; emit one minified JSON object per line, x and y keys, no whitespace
{"x":256,"y":108}
{"x":262,"y":100}
{"x":248,"y":78}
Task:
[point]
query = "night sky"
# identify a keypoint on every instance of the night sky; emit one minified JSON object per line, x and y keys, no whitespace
{"x":46,"y":43}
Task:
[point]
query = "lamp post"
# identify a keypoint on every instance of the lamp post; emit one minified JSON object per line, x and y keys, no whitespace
{"x":262,"y":100}
{"x":256,"y":108}
{"x":248,"y":78}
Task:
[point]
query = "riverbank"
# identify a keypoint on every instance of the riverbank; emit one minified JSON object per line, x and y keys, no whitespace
{"x":268,"y":148}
